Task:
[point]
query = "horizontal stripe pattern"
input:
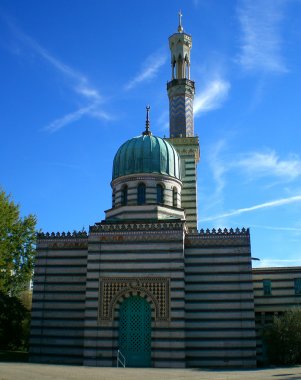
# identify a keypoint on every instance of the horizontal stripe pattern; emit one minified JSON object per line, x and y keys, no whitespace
{"x":220,"y":326}
{"x":188,"y":149}
{"x":211,"y":296}
{"x":57,"y":326}
{"x":150,"y":257}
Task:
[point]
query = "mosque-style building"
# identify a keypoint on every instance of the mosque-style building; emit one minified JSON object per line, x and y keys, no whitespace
{"x":145,"y":281}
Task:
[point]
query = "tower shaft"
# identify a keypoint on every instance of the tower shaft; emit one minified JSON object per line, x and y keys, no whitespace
{"x":181,"y":90}
{"x":181,"y":95}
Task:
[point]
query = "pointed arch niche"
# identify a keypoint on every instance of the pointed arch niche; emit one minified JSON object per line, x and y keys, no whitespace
{"x":112,"y":291}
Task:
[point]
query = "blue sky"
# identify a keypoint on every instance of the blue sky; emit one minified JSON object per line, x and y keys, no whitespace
{"x":76,"y":77}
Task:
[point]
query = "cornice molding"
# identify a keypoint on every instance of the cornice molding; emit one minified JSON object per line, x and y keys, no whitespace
{"x":134,"y":227}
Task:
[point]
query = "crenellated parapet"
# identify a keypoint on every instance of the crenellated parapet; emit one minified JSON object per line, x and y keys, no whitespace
{"x":61,"y":235}
{"x":225,"y":231}
{"x":62,"y":240}
{"x":219,"y":237}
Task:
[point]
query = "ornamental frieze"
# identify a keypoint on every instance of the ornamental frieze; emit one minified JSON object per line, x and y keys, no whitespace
{"x":231,"y":237}
{"x":115,"y":237}
{"x":124,"y":227}
{"x":62,"y":240}
{"x":68,"y":244}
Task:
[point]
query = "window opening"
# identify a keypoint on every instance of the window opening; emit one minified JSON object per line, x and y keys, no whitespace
{"x":267,"y":287}
{"x":160,"y":194}
{"x":113,"y":198}
{"x":174,"y":197}
{"x":141,"y":194}
{"x":124,"y":196}
{"x":298,"y":286}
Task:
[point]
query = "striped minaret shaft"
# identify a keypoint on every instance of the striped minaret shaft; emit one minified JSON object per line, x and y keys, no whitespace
{"x":181,"y":126}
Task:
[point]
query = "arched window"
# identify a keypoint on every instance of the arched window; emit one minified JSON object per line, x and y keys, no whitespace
{"x":124,"y":196}
{"x":187,"y":67}
{"x":173,"y":65}
{"x":160,"y":194}
{"x":141,"y":194}
{"x":174,"y":197}
{"x":180,"y":68}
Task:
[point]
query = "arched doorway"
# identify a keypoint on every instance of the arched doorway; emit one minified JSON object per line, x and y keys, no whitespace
{"x":135,"y":331}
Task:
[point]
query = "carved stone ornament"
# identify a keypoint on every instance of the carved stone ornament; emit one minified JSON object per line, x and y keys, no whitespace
{"x":62,"y":240}
{"x":62,"y":235}
{"x":134,"y":227}
{"x":114,"y":289}
{"x":231,"y":237}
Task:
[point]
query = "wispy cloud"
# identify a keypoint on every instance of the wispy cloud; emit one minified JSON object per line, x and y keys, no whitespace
{"x":261,"y":38}
{"x":78,"y":82}
{"x":149,"y":69}
{"x":255,"y":165}
{"x":215,"y":199}
{"x":91,"y":110}
{"x":266,"y":164}
{"x":264,"y":263}
{"x":276,"y":228}
{"x":271,"y":204}
{"x":212,"y":97}
{"x":217,"y":166}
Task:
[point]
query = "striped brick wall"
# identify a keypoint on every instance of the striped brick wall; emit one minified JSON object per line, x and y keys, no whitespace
{"x":189,"y":191}
{"x":58,"y":304}
{"x":137,"y":251}
{"x":283,"y":297}
{"x":220,"y":326}
{"x":189,"y":151}
{"x":211,"y":322}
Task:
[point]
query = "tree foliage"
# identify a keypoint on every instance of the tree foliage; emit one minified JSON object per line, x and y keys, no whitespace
{"x":17,"y":247}
{"x":283,"y":338}
{"x":14,"y":323}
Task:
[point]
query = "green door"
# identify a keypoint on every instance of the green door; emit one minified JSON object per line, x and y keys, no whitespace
{"x":135,"y":332}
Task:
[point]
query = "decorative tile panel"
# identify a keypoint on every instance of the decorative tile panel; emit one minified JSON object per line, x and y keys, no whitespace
{"x":114,"y":289}
{"x":181,"y":116}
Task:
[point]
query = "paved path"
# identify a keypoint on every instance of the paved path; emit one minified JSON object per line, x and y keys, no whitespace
{"x":25,"y":371}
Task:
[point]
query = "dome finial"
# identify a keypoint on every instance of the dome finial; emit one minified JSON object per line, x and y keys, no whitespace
{"x":147,"y":131}
{"x":180,"y":28}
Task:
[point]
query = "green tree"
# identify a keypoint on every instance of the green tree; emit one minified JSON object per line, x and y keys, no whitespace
{"x":283,"y":338}
{"x":17,"y":247}
{"x":14,"y":323}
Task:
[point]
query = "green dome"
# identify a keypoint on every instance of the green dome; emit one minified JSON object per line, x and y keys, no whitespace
{"x":146,"y":154}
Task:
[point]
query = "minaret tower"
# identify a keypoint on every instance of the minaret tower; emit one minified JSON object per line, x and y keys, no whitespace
{"x":180,"y":88}
{"x":181,"y":126}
